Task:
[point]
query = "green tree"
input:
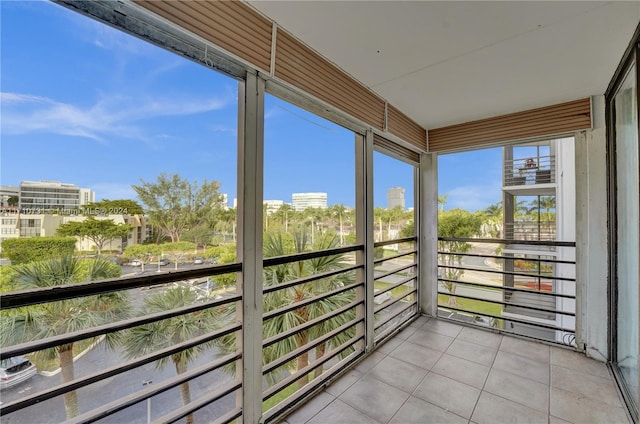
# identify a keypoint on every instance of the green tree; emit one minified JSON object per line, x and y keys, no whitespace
{"x":114,"y":207}
{"x":13,"y":200}
{"x":56,"y":318}
{"x":455,"y":223}
{"x":276,"y":245}
{"x":99,"y":231}
{"x":148,"y":338}
{"x":176,"y":205}
{"x":442,"y":200}
{"x":28,"y":249}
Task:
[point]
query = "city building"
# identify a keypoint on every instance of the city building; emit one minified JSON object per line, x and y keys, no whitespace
{"x":395,"y":197}
{"x":412,"y":81}
{"x":539,"y":174}
{"x":272,"y":205}
{"x":302,"y":201}
{"x":39,"y":196}
{"x":9,"y":195}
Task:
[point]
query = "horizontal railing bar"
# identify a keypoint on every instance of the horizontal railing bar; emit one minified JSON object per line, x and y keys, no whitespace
{"x":115,"y":370}
{"x":394,"y":271}
{"x":297,"y":257}
{"x":320,"y":276}
{"x":229,"y":416}
{"x":514,"y":258}
{"x":506,"y":241}
{"x":134,"y":398}
{"x":514,"y":305}
{"x":394,"y":285}
{"x":286,"y":334}
{"x":309,"y":346}
{"x":520,"y":321}
{"x":31,"y":297}
{"x":311,"y":387}
{"x":390,"y":302}
{"x":512,"y":289}
{"x":276,"y":388}
{"x":54,"y":341}
{"x":519,"y":274}
{"x":392,"y":316}
{"x":396,"y":241}
{"x":294,"y":306}
{"x":197,"y":404}
{"x":399,"y":255}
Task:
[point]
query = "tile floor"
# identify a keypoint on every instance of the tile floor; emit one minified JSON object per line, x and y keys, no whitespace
{"x":439,"y":372}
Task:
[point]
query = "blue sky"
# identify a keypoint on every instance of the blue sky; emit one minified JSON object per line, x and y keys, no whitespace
{"x":86,"y":104}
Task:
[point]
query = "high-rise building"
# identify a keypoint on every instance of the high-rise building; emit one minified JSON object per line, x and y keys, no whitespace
{"x":302,"y":201}
{"x":53,"y":195}
{"x":395,"y":197}
{"x":272,"y":205}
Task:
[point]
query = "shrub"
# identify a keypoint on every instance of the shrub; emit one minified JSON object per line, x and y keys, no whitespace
{"x":29,"y":249}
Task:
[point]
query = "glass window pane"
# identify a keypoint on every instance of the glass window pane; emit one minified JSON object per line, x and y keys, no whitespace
{"x":628,"y":219}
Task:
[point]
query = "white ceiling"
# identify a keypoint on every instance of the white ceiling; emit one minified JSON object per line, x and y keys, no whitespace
{"x":449,"y":62}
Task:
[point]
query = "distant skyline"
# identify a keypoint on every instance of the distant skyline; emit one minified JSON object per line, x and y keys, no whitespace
{"x":86,"y":104}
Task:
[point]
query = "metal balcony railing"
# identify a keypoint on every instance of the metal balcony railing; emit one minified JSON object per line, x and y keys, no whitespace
{"x":530,"y":171}
{"x":316,"y":318}
{"x":396,"y":286}
{"x":531,"y":230}
{"x":527,"y":295}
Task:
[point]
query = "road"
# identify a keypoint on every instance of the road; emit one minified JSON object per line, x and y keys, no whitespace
{"x":100,"y":393}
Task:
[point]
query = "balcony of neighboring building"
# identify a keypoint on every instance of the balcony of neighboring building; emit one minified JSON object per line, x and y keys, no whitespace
{"x":530,"y":176}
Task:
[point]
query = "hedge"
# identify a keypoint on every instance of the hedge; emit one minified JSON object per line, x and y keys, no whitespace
{"x":28,"y":249}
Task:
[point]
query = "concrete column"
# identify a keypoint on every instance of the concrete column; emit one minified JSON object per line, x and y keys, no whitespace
{"x":427,"y":230}
{"x":592,"y":306}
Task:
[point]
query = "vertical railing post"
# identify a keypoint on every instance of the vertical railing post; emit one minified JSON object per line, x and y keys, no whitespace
{"x":364,"y":229}
{"x":249,"y":248}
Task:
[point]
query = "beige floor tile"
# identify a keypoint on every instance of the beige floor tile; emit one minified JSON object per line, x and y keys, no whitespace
{"x":448,"y":394}
{"x":310,"y":408}
{"x":492,"y":409}
{"x":344,"y":382}
{"x":522,"y":366}
{"x":374,"y":398}
{"x":399,"y":374}
{"x":482,"y":337}
{"x":525,"y":348}
{"x":338,"y":412}
{"x":518,"y":389}
{"x":418,"y":411}
{"x":472,"y":352}
{"x":420,"y":356}
{"x":591,"y":386}
{"x":389,"y":345}
{"x":371,"y":361}
{"x":579,"y":362}
{"x":461,"y":370}
{"x":431,"y":340}
{"x":578,"y":409}
{"x":442,"y":327}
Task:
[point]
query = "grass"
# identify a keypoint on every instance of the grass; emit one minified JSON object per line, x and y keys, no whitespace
{"x":397,"y":292}
{"x":279,"y":397}
{"x":474,"y":306}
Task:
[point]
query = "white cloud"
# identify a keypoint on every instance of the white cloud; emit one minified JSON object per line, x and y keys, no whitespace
{"x":474,"y":197}
{"x":112,"y":115}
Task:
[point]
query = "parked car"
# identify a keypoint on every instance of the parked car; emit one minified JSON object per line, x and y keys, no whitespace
{"x":163,"y":262}
{"x":15,"y":370}
{"x":136,"y":262}
{"x":213,"y":261}
{"x":198,"y":261}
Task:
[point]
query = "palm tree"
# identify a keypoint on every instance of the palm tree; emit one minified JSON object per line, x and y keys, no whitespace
{"x":276,"y":245}
{"x":148,"y":338}
{"x":65,"y":316}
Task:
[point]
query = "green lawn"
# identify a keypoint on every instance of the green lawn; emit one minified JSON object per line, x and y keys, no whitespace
{"x":473,"y":306}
